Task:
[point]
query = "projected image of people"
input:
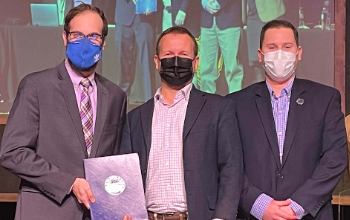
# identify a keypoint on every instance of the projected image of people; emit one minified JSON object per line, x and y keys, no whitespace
{"x":220,"y":29}
{"x":258,"y":14}
{"x":135,"y":21}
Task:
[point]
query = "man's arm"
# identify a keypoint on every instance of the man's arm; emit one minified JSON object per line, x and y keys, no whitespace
{"x":121,"y":125}
{"x":19,"y":143}
{"x":126,"y":145}
{"x":230,"y":163}
{"x":318,"y":188}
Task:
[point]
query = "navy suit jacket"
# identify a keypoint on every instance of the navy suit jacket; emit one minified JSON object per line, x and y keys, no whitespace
{"x":230,"y":15}
{"x":315,"y":147}
{"x":212,"y":155}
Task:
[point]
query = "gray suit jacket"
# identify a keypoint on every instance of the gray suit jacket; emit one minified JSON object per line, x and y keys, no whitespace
{"x":44,"y":145}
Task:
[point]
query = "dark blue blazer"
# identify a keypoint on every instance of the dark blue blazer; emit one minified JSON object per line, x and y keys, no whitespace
{"x":212,"y":155}
{"x":230,"y":15}
{"x":315,"y":147}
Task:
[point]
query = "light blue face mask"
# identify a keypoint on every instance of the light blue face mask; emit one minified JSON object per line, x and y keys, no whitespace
{"x":83,"y":53}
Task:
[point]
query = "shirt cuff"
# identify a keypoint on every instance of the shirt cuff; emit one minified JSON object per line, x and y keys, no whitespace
{"x":260,"y":206}
{"x":298,"y":209}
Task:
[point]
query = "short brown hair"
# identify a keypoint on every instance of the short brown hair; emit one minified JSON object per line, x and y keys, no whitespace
{"x":82,"y":8}
{"x":177,"y":30}
{"x":278,"y":24}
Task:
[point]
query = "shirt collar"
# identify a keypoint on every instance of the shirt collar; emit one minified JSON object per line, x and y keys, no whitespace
{"x":76,"y":78}
{"x":185,"y":91}
{"x":287,"y":89}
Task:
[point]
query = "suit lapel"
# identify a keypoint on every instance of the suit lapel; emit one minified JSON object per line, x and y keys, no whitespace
{"x":67,"y":90}
{"x":146,"y":122}
{"x":263,"y":103}
{"x":195,"y":105}
{"x":295,"y":110}
{"x":101,"y":114}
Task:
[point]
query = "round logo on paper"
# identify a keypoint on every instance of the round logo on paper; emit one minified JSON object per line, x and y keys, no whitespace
{"x":115,"y":185}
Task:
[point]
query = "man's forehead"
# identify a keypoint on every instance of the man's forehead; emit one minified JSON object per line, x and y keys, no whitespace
{"x":279,"y":35}
{"x":175,"y":39}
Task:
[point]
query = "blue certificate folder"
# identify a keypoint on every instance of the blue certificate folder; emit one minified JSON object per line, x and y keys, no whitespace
{"x":116,"y":183}
{"x":143,"y":6}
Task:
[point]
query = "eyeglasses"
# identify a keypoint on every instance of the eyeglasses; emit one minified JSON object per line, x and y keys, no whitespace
{"x":93,"y":37}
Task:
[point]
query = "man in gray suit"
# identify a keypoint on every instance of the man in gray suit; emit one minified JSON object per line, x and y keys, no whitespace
{"x":61,"y":116}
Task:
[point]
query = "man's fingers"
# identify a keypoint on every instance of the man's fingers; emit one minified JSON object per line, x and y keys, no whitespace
{"x":87,"y":204}
{"x":282,"y":203}
{"x":90,"y":195}
{"x":285,"y":215}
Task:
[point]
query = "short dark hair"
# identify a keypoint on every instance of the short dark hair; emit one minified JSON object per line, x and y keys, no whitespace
{"x":177,"y":30}
{"x":278,"y":24}
{"x":82,"y":8}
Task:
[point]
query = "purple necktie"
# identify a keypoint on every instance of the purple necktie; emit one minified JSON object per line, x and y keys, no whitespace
{"x":86,"y":114}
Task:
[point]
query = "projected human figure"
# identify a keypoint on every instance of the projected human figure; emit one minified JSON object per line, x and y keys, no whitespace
{"x":259,"y":13}
{"x":174,"y":13}
{"x":221,"y":28}
{"x":134,"y":29}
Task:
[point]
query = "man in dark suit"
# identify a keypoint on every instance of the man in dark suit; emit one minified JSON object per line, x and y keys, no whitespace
{"x":134,"y":29}
{"x":221,"y":28}
{"x":293,"y":135}
{"x":60,"y":117}
{"x":188,"y":144}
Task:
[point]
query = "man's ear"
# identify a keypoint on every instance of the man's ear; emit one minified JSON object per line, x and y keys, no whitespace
{"x":157,"y":62}
{"x":64,"y":37}
{"x":104,"y":43}
{"x":300,"y":52}
{"x":260,"y":55}
{"x":195,"y":63}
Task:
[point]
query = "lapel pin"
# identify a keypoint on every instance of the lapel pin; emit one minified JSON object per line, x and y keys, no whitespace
{"x":300,"y":101}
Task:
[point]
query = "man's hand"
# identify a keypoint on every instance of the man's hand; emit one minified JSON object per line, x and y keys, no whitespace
{"x":81,"y":189}
{"x":148,"y":12}
{"x":288,"y":210}
{"x":127,"y":217}
{"x":180,"y":18}
{"x":274,"y":211}
{"x":211,"y":6}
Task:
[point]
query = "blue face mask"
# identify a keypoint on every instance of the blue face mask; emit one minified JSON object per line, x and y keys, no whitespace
{"x":83,"y":53}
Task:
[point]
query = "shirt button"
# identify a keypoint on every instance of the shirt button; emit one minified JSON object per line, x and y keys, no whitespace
{"x":167,"y":164}
{"x":280,"y":133}
{"x":166,"y":144}
{"x":280,"y":112}
{"x":168,"y":125}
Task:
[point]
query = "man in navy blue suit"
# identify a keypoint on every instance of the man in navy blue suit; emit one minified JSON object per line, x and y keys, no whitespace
{"x":187,"y":140}
{"x":292,"y":133}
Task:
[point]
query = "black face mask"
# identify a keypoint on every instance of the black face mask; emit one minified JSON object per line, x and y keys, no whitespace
{"x":176,"y":71}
